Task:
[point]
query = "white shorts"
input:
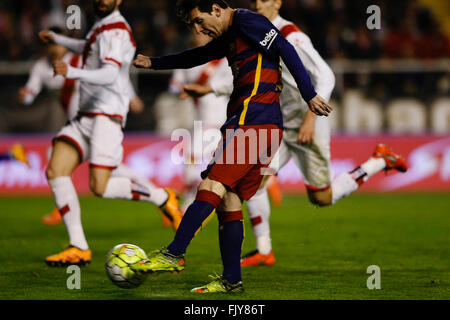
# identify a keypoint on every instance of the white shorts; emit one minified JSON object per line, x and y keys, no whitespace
{"x":97,"y":139}
{"x":313,"y":160}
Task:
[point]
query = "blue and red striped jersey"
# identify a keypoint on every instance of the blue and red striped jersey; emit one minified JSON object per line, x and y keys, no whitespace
{"x":253,"y":47}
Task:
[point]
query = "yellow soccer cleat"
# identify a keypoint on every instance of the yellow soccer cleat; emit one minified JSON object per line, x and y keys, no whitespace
{"x":171,"y":209}
{"x":220,"y":285}
{"x":71,"y":255}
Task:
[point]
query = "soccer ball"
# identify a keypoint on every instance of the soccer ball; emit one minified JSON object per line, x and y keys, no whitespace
{"x":118,"y":263}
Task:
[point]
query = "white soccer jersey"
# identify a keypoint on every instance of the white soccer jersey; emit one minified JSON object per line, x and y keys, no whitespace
{"x":42,"y":76}
{"x":211,"y":109}
{"x":292,"y":105}
{"x":110,"y":41}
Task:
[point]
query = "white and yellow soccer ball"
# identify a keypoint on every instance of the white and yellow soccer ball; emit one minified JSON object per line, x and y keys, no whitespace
{"x":118,"y":263}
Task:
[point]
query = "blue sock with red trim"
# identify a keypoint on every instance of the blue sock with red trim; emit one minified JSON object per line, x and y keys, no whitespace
{"x":231,"y":236}
{"x":204,"y":204}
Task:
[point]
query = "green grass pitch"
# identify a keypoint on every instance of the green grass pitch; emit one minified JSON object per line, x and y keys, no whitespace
{"x":321,"y":253}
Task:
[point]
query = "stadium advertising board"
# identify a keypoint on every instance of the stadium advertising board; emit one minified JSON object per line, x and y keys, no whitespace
{"x":428,"y":158}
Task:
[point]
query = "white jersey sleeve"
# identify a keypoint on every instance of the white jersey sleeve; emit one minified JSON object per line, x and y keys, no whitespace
{"x":75,"y":45}
{"x":293,"y":107}
{"x":321,"y":74}
{"x":105,"y":75}
{"x":111,"y":47}
{"x":33,"y":85}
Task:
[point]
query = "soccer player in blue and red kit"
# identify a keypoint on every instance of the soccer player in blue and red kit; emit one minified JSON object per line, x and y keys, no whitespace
{"x":253,"y":47}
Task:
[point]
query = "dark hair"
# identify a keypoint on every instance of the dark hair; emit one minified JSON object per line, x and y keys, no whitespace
{"x":184,"y":7}
{"x":56,"y":29}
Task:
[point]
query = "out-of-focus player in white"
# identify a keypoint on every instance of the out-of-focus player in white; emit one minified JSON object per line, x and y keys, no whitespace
{"x":306,"y":138}
{"x":42,"y":76}
{"x":210,"y":109}
{"x":95,"y":134}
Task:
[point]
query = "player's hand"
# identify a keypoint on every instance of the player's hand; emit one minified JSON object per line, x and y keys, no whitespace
{"x":195,"y":90}
{"x":319,"y":106}
{"x":142,"y":61}
{"x":136,"y":105}
{"x":307,"y":129}
{"x":46,"y":36}
{"x":60,"y":68}
{"x":21,"y":95}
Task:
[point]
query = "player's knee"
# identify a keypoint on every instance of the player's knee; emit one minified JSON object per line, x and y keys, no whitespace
{"x":53,"y":173}
{"x":320,"y":198}
{"x":213,"y":186}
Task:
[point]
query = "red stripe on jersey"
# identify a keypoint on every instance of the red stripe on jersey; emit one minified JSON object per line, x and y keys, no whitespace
{"x":106,"y":27}
{"x":241,"y":46}
{"x":266,"y":97}
{"x":96,"y":114}
{"x":267,"y":76}
{"x":113,"y":60}
{"x":241,"y":63}
{"x":236,"y":103}
{"x":208,"y":69}
{"x":69,"y":86}
{"x":288,"y":29}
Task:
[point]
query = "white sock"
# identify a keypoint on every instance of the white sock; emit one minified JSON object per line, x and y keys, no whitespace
{"x":343,"y":186}
{"x":157,"y":195}
{"x":372,"y":166}
{"x":259,"y":211}
{"x":66,"y":200}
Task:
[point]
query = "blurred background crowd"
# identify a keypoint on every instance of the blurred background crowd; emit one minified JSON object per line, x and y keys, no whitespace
{"x":407,"y":58}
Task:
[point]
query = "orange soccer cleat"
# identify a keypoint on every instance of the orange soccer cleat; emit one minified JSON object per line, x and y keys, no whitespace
{"x":254,"y":259}
{"x":171,"y":209}
{"x":274,"y":190}
{"x":52,"y":218}
{"x":165,"y":221}
{"x":393,"y":160}
{"x":19,"y":153}
{"x":71,"y":255}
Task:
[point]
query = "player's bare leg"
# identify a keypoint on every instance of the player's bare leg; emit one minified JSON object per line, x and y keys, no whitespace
{"x":106,"y":184}
{"x":65,"y":158}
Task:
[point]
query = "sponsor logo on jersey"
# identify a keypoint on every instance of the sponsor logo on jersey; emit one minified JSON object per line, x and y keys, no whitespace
{"x":270,"y":37}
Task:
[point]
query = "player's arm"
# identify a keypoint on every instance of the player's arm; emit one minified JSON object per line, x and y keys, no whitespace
{"x":262,"y":33}
{"x":28,"y":93}
{"x":184,"y":60}
{"x":105,"y":75}
{"x":113,"y":47}
{"x":307,"y":128}
{"x":221,"y":85}
{"x":322,"y":75}
{"x":75,"y":45}
{"x":136,"y":103}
